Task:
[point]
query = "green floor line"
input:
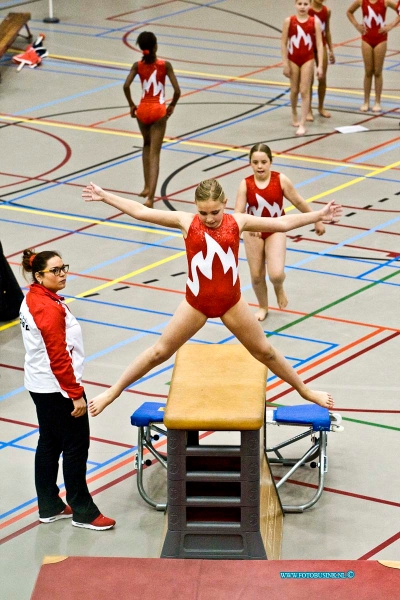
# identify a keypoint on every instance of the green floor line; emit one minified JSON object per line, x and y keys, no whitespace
{"x":372,"y":424}
{"x":319,"y":310}
{"x":275,"y":405}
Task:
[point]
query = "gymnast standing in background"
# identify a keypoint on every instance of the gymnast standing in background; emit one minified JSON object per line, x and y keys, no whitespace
{"x":301,"y":40}
{"x":374,"y":33}
{"x":321,"y":12}
{"x":152,"y":112}
{"x":262,"y":194}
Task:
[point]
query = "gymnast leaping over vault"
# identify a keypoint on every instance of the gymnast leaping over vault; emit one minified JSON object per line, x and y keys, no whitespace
{"x":213,"y":287}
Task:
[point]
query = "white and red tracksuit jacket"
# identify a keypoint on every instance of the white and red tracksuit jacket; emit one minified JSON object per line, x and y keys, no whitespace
{"x":53,"y":343}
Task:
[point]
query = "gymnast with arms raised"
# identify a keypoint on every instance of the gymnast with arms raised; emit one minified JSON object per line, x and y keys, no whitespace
{"x":213,"y":289}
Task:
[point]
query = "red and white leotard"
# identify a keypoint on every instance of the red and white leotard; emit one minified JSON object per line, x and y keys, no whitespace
{"x":373,"y":19}
{"x":322,"y":16}
{"x":213,"y":285}
{"x":152,"y":105}
{"x":267,"y":202}
{"x":53,"y":343}
{"x":301,"y":40}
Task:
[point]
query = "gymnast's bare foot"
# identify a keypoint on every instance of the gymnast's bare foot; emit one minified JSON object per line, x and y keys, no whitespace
{"x":149,"y":202}
{"x":99,"y":403}
{"x":301,"y":130}
{"x":295,"y":121}
{"x":364,"y":107}
{"x":310,"y":117}
{"x":377,"y":108}
{"x":281,"y":296}
{"x":144,"y":193}
{"x":261,"y":314}
{"x":322,"y":398}
{"x":324,"y":113}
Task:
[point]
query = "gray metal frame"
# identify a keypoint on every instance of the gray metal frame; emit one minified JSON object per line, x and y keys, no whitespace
{"x":145,"y":440}
{"x":317,"y":450}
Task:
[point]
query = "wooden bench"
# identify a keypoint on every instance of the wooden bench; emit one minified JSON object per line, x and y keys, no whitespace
{"x":10,"y":28}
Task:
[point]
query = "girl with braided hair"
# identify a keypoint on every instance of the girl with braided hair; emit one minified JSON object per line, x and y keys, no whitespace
{"x":152,"y":112}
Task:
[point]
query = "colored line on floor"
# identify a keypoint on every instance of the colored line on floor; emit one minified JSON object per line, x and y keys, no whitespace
{"x":380,"y":547}
{"x":342,"y":492}
{"x":335,"y":366}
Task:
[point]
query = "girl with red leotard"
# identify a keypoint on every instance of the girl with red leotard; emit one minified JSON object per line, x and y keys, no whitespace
{"x":374,"y":44}
{"x":262,"y":194}
{"x":213,"y":289}
{"x":152,"y":112}
{"x":321,"y":12}
{"x":301,"y":37}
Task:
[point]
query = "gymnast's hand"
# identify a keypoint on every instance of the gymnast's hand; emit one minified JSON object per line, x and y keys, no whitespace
{"x":170,"y":110}
{"x":93,"y":193}
{"x":361,"y":28}
{"x":332,"y":212}
{"x":319,"y":228}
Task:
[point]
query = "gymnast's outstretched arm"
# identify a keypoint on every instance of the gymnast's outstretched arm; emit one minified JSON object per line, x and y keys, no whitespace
{"x":331,"y":213}
{"x":177,"y":219}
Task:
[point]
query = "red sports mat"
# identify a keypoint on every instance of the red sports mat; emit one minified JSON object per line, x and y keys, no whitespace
{"x":101,"y":578}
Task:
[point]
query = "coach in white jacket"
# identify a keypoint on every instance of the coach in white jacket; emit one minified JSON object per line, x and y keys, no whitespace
{"x":53,"y":373}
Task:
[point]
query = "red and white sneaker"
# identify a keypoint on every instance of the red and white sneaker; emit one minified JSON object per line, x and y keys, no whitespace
{"x":65,"y":514}
{"x":99,"y":524}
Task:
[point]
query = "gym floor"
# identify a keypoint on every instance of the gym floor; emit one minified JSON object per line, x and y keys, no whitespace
{"x":67,"y":123}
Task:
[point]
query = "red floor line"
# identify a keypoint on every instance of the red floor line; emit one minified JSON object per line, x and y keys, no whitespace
{"x":368,"y":410}
{"x":64,"y":235}
{"x":329,"y":243}
{"x":271,"y":308}
{"x":93,"y":439}
{"x":381,"y":546}
{"x":335,"y":366}
{"x":19,"y":532}
{"x":357,"y":228}
{"x":202,"y":29}
{"x":329,"y":356}
{"x":342,"y":492}
{"x":141,"y":9}
{"x":112,"y":442}
{"x":383,"y":144}
{"x":93,"y":493}
{"x":306,"y":143}
{"x":14,"y":422}
{"x":225,"y":81}
{"x":125,"y":41}
{"x":67,"y":147}
{"x":106,"y":385}
{"x":375,"y":210}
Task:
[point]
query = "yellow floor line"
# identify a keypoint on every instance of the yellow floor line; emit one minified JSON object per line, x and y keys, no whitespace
{"x":213,"y":75}
{"x":110,"y":283}
{"x":237,"y":149}
{"x":127,"y":276}
{"x":87,"y":220}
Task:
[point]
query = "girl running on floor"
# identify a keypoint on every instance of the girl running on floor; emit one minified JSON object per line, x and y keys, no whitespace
{"x":213,"y":287}
{"x":323,"y":14}
{"x":152,"y":112}
{"x":374,"y":33}
{"x":262,"y":194}
{"x":301,"y":39}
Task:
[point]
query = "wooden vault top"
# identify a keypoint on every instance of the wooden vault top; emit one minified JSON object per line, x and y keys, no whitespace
{"x":216,"y":388}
